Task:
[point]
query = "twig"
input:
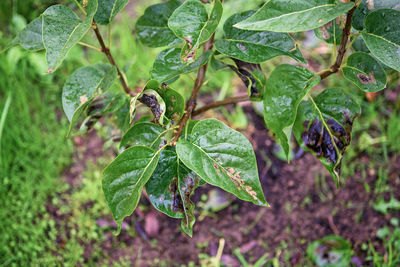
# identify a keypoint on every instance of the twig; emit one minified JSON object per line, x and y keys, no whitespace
{"x":226,"y":101}
{"x":110,"y":58}
{"x":192,"y":102}
{"x":342,"y":49}
{"x":90,"y":46}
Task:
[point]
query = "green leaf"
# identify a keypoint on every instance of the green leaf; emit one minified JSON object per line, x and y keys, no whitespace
{"x":330,"y":32}
{"x":62,"y":29}
{"x":191,"y":23}
{"x":255,"y":46}
{"x":108,"y":9}
{"x":222,"y":157}
{"x":287,"y":86}
{"x":365,"y":72}
{"x":367,"y":6}
{"x":294,"y":16}
{"x":168,"y":64}
{"x":85,"y":83}
{"x":382,"y":36}
{"x":174,"y":101}
{"x":30,"y":38}
{"x":323,"y":126}
{"x":330,"y":251}
{"x":170,"y":188}
{"x":143,"y":134}
{"x":125,"y":177}
{"x":152,"y":27}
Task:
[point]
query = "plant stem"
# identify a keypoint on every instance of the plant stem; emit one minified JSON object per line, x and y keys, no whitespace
{"x":90,"y":46}
{"x":226,"y":101}
{"x":192,"y":102}
{"x":110,"y":58}
{"x":80,"y":7}
{"x":343,"y":45}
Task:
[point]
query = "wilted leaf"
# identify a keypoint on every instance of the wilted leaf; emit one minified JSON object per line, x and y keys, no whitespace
{"x":255,"y":46}
{"x":323,"y":126}
{"x":287,"y":86}
{"x":365,"y":72}
{"x":222,"y":157}
{"x":294,"y":16}
{"x":152,"y":27}
{"x":382,"y":36}
{"x":154,"y":101}
{"x":330,"y":251}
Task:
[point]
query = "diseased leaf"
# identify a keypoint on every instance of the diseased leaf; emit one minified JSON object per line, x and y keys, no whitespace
{"x":330,"y":251}
{"x":108,"y":9}
{"x":330,"y":32}
{"x":323,"y":126}
{"x":143,"y":134}
{"x":170,"y":188}
{"x":62,"y":29}
{"x":222,"y":157}
{"x":168,"y":64}
{"x":156,"y":103}
{"x":367,"y":6}
{"x":382,"y":36}
{"x":175,"y":103}
{"x":255,"y":46}
{"x":125,"y":177}
{"x":85,"y":83}
{"x":30,"y":38}
{"x":286,"y":87}
{"x":365,"y":72}
{"x":191,"y":23}
{"x":294,"y":16}
{"x":152,"y":27}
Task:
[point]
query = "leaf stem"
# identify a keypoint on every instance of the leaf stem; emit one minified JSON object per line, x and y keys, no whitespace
{"x":192,"y":102}
{"x":109,"y":36}
{"x":90,"y":46}
{"x":80,"y":7}
{"x":226,"y":101}
{"x":343,"y":45}
{"x":110,"y":58}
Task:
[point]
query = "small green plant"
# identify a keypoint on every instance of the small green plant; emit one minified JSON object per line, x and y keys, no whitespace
{"x":169,"y":154}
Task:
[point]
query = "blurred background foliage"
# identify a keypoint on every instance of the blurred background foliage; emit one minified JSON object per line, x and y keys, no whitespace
{"x":34,"y":150}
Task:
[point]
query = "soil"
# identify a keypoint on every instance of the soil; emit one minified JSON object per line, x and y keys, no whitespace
{"x":302,"y":210}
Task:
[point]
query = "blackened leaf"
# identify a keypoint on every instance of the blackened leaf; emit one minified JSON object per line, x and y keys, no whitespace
{"x":152,"y":27}
{"x":168,"y":64}
{"x":85,"y":83}
{"x":174,"y":101}
{"x":330,"y":32}
{"x":222,"y":157}
{"x":143,"y":134}
{"x":367,"y":6}
{"x":382,"y":36}
{"x":108,"y":9}
{"x":156,"y":103}
{"x":255,"y":46}
{"x":294,"y":16}
{"x":125,"y":177}
{"x":191,"y":23}
{"x":286,"y":87}
{"x":62,"y":29}
{"x":323,"y":126}
{"x":30,"y":38}
{"x":365,"y":72}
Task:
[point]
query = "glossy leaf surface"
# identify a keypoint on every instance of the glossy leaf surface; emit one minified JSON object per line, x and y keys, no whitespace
{"x":323,"y":126}
{"x":367,"y":6}
{"x":286,"y":87}
{"x":294,"y":16}
{"x":125,"y":177}
{"x":30,"y":38}
{"x":222,"y":157}
{"x":168,"y":64}
{"x":85,"y":83}
{"x":152,"y":28}
{"x":330,"y":32}
{"x":255,"y":46}
{"x":382,"y":36}
{"x":365,"y":72}
{"x":62,"y":29}
{"x":143,"y":134}
{"x":108,"y":9}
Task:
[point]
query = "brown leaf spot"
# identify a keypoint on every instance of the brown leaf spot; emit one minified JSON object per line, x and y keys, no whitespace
{"x":370,"y":4}
{"x":366,"y":79}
